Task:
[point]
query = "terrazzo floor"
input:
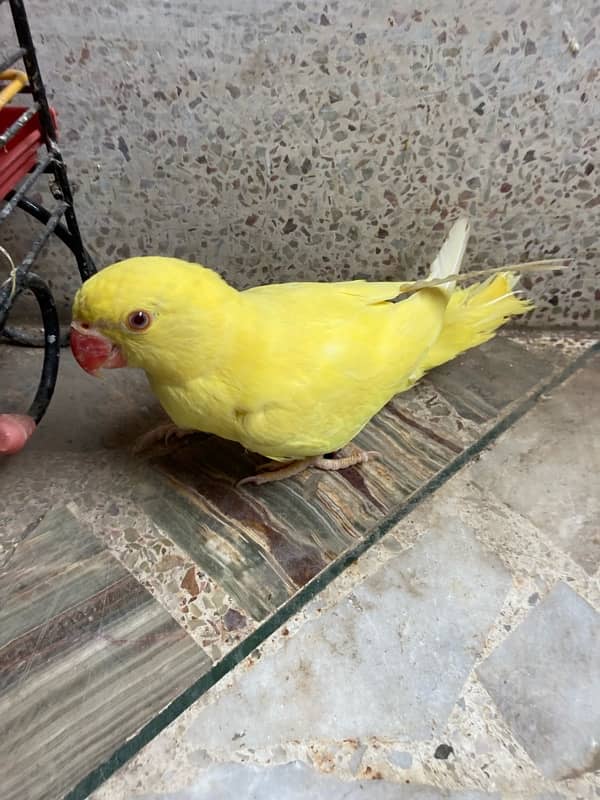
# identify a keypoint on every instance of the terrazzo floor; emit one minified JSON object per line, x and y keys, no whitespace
{"x":424,"y":626}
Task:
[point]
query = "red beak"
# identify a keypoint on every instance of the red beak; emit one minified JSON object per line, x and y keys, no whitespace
{"x":93,"y":351}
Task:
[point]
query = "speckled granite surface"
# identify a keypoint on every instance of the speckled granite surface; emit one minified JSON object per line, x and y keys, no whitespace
{"x":276,"y":140}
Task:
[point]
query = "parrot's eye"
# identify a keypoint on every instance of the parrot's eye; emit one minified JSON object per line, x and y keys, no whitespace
{"x":139,"y":320}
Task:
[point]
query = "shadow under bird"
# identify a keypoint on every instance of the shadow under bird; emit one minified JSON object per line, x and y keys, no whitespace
{"x":290,"y":371}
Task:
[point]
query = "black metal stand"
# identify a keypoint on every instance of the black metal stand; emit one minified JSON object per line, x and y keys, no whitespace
{"x":50,"y":162}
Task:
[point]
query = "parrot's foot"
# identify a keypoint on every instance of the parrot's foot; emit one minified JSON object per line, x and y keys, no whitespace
{"x":162,"y":434}
{"x":273,"y":471}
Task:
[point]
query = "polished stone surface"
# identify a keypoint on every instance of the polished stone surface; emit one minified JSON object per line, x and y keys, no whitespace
{"x":152,"y":570}
{"x":545,"y":679}
{"x":87,"y":656}
{"x":297,"y":781}
{"x":409,"y":633}
{"x":538,"y":468}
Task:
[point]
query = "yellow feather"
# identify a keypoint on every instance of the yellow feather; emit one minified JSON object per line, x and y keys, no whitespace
{"x":473,"y":316}
{"x":288,"y":370}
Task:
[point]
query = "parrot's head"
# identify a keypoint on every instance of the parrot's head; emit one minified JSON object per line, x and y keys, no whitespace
{"x":147,"y":312}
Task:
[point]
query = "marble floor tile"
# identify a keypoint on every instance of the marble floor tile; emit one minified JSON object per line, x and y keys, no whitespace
{"x":409,"y":633}
{"x":537,"y":469}
{"x":482,"y":382}
{"x":297,"y":781}
{"x":87,"y":657}
{"x":545,"y":679}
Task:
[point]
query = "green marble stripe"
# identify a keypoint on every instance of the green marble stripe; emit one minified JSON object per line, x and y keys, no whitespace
{"x":306,"y":525}
{"x":235,"y":562}
{"x":85,"y":665}
{"x":264,"y":520}
{"x":41,"y":643}
{"x":70,"y":713}
{"x":33,"y":587}
{"x":408,"y":459}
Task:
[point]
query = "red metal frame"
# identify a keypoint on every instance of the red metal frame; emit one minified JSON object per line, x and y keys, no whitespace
{"x":19,"y":155}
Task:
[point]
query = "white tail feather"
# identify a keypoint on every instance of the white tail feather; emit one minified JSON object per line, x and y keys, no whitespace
{"x":449,"y":260}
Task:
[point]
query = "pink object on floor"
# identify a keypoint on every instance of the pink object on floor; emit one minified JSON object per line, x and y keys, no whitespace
{"x":15,"y":430}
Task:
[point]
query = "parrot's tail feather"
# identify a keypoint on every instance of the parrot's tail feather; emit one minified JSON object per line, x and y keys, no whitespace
{"x":474,"y":315}
{"x":449,"y":260}
{"x":547,"y":265}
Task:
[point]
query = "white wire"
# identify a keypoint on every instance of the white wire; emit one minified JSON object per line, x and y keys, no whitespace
{"x":13,"y":273}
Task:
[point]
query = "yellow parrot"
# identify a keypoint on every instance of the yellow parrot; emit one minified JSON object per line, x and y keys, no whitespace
{"x":291,"y":371}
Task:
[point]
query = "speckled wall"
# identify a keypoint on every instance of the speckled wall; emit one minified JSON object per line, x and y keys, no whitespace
{"x":300,"y":140}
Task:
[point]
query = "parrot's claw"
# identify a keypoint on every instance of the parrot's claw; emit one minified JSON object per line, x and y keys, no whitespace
{"x":162,"y":434}
{"x":355,"y":456}
{"x":273,"y":471}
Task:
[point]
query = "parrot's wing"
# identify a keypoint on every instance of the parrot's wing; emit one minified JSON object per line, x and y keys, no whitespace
{"x":328,"y":298}
{"x":370,"y":293}
{"x":321,"y":377}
